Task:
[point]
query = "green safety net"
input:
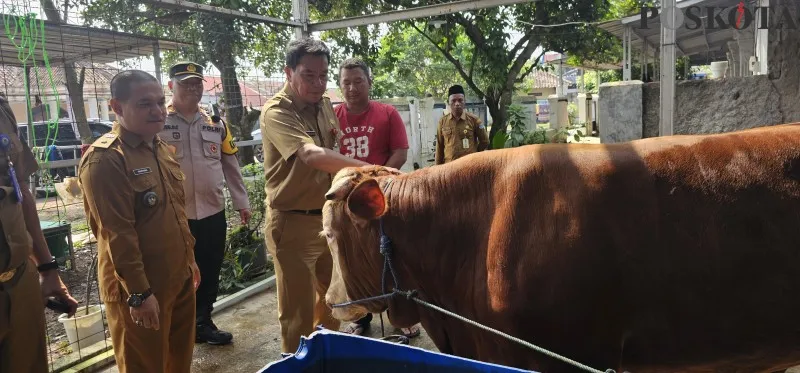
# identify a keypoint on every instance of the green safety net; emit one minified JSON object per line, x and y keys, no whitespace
{"x":26,"y":33}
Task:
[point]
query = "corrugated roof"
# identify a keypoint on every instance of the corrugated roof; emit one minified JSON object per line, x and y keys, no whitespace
{"x":543,"y":79}
{"x":96,"y":80}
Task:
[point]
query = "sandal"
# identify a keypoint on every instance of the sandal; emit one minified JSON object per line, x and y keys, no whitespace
{"x":411,"y":332}
{"x":396,"y":338}
{"x":359,"y":326}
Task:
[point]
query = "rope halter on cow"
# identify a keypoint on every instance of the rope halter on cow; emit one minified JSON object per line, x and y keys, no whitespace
{"x":386,"y":251}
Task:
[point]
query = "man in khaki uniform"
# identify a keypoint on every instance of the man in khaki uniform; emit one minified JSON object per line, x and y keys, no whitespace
{"x":299,"y":132}
{"x":23,"y":252}
{"x":205,"y":149}
{"x":459,"y":132}
{"x":134,"y":202}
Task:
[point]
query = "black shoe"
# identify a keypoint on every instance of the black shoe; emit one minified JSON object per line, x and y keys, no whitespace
{"x":208,"y":333}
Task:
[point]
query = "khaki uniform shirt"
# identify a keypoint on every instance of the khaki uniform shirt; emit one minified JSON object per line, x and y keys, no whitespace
{"x":16,"y":244}
{"x":134,"y":201}
{"x":457,"y":137}
{"x":207,"y":156}
{"x":286,"y":125}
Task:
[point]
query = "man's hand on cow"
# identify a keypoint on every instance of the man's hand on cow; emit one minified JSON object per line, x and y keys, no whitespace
{"x":392,"y":169}
{"x":245,"y":215}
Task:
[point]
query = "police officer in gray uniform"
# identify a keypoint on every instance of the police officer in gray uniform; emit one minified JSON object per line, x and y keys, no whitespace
{"x":204,"y":147}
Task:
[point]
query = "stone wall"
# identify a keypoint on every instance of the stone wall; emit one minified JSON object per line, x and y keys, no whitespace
{"x":619,"y":111}
{"x":714,"y":106}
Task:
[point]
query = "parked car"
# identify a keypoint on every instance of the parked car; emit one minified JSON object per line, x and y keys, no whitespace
{"x":67,"y":134}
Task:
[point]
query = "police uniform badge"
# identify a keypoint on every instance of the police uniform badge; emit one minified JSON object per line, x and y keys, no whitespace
{"x":150,"y":199}
{"x":191,"y":68}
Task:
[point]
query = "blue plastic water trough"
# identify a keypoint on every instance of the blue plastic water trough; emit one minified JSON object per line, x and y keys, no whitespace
{"x":326,"y":351}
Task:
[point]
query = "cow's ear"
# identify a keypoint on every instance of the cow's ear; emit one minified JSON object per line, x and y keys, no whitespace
{"x":367,"y":200}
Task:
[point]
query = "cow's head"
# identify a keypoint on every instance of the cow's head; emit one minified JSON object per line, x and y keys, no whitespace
{"x":350,"y":224}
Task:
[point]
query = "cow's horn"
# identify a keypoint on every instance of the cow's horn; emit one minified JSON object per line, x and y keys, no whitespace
{"x":339,"y":189}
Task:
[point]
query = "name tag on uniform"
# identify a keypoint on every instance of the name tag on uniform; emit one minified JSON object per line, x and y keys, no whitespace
{"x":465,"y":143}
{"x":311,"y":133}
{"x":211,"y":129}
{"x":142,"y":171}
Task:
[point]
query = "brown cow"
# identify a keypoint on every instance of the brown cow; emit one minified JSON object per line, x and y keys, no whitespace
{"x":660,"y":255}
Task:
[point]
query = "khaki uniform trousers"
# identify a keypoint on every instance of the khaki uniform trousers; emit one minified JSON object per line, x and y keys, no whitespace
{"x":303,"y":266}
{"x":168,"y":349}
{"x":22,"y":330}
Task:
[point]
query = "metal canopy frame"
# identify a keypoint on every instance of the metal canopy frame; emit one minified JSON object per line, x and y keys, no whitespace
{"x":304,"y":27}
{"x":64,"y":43}
{"x":412,"y":13}
{"x":70,"y":43}
{"x":702,"y":46}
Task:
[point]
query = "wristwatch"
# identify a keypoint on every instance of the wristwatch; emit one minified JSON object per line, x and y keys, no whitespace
{"x":136,"y":299}
{"x":47,"y":266}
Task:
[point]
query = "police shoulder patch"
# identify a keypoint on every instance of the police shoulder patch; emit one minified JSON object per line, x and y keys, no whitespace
{"x":105,"y":141}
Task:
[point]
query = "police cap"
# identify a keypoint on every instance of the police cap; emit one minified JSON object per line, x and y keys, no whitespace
{"x":186,"y":70}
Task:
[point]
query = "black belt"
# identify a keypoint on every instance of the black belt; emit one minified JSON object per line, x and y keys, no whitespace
{"x":308,"y":212}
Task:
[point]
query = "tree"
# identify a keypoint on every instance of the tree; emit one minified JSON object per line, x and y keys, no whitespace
{"x":493,"y":62}
{"x":73,"y":79}
{"x":220,"y":41}
{"x":408,"y":65}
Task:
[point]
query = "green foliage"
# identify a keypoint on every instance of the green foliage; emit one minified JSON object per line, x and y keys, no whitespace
{"x":516,"y":120}
{"x":518,"y":135}
{"x":499,"y":140}
{"x":245,"y":252}
{"x":537,"y":136}
{"x":590,"y":78}
{"x":241,"y":262}
{"x":253,"y":169}
{"x":601,"y":46}
{"x":408,"y":65}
